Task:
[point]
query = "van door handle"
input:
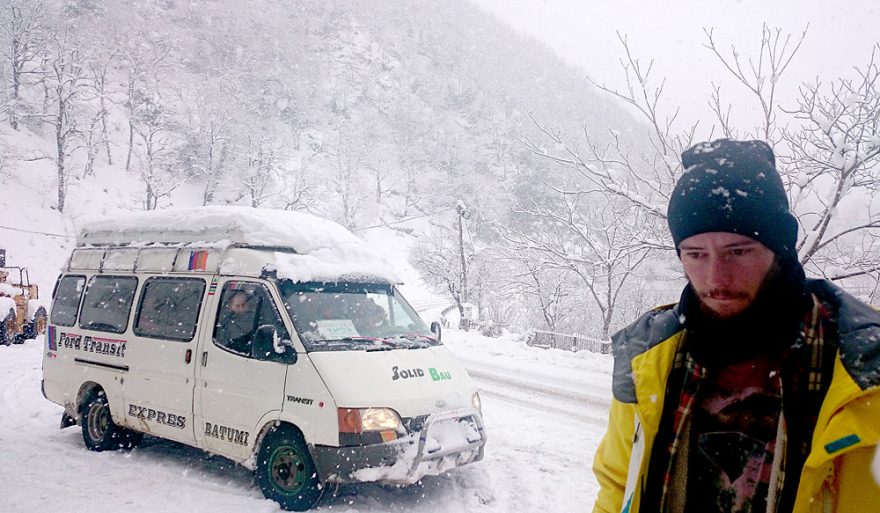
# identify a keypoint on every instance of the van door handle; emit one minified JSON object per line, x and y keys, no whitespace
{"x":189,"y":356}
{"x":204,"y":359}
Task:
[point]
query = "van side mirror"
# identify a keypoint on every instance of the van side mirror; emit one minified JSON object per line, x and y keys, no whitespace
{"x":436,"y":329}
{"x":269,"y":346}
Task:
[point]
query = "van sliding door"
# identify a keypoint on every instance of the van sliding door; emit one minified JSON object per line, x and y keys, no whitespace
{"x":159,"y":390}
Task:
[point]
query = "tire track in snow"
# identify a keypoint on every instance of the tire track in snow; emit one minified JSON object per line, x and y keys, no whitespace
{"x":597,"y":384}
{"x":542,"y":397}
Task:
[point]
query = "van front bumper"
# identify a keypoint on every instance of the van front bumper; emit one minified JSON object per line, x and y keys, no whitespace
{"x":445,"y":441}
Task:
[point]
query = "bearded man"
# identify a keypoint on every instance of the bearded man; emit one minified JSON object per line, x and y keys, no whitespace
{"x":760,"y":390}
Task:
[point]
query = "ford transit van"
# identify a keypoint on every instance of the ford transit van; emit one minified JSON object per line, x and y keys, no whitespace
{"x":276,"y":339}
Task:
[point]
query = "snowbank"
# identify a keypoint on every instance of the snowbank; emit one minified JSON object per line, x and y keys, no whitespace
{"x":8,"y":290}
{"x":6,"y":304}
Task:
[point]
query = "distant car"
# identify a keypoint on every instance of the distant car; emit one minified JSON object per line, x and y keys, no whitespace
{"x":276,"y":339}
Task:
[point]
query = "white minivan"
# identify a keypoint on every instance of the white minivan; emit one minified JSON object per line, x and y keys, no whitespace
{"x":276,"y":339}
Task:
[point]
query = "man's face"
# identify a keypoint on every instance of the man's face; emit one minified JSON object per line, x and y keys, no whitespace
{"x":726,"y":270}
{"x":238,"y":304}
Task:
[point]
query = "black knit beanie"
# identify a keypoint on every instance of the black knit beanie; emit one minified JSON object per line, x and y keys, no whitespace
{"x":732,"y":186}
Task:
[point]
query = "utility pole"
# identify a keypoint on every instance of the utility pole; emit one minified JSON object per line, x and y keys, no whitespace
{"x":463,"y":213}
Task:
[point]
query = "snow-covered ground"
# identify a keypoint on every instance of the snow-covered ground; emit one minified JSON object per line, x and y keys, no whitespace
{"x":545,"y":412}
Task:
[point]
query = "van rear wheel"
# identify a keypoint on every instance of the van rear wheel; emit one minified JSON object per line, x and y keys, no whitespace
{"x":39,"y":323}
{"x":99,"y":431}
{"x":285,"y":471}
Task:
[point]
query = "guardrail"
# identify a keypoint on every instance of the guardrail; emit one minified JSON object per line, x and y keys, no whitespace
{"x":568,"y":342}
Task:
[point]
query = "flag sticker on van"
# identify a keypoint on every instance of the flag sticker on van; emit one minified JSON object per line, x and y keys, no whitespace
{"x":198,"y":260}
{"x":50,"y":338}
{"x":213,"y":288}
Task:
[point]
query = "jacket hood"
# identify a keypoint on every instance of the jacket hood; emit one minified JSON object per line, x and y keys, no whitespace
{"x":648,"y":331}
{"x":859,"y":332}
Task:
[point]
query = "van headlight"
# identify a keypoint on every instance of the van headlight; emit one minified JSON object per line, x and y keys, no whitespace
{"x":378,"y":419}
{"x":358,"y":420}
{"x":476,"y":402}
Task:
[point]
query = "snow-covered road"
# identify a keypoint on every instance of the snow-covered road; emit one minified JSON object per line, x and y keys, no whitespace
{"x":544,"y":412}
{"x":573,"y":399}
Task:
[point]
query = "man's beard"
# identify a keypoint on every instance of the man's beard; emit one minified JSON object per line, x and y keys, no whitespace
{"x":767,"y":326}
{"x":769,"y":282}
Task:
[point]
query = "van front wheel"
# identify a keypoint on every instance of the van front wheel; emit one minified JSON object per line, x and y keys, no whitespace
{"x":285,"y":471}
{"x":99,"y":431}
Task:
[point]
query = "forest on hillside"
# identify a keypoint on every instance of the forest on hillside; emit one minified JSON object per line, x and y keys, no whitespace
{"x":542,"y":194}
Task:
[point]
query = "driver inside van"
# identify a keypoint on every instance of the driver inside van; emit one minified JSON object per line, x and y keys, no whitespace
{"x":236,"y":323}
{"x":369,"y":318}
{"x":326,"y":316}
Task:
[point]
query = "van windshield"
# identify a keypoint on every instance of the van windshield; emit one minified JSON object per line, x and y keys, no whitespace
{"x":353,"y":317}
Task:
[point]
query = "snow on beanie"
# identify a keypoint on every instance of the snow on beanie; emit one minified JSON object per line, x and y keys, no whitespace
{"x":732,"y":186}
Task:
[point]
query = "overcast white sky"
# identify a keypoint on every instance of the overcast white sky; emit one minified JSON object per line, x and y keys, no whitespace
{"x":840,"y":36}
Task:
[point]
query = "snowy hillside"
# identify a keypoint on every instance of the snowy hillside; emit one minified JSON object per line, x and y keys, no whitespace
{"x":368,"y":113}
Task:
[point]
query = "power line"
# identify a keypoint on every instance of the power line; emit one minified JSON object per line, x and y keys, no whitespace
{"x":37,"y":232}
{"x":405,"y":220}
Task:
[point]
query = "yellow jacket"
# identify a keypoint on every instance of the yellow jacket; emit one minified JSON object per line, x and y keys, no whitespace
{"x":836,"y":477}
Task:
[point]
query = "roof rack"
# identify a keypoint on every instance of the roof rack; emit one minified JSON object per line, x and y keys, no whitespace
{"x":228,"y":240}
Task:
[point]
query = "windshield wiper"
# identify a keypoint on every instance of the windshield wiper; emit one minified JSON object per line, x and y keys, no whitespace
{"x":404,"y":341}
{"x":416,"y":340}
{"x":369,"y":343}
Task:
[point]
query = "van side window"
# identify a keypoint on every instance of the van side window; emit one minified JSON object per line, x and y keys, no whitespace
{"x":169,"y":308}
{"x":107,"y":303}
{"x":68,"y":292}
{"x":244,"y":308}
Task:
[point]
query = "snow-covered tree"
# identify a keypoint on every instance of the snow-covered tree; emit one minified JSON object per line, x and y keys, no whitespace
{"x":265,"y":155}
{"x":157,"y":144}
{"x":65,"y":82}
{"x":826,"y":146}
{"x":100,"y":65}
{"x":209,"y":139}
{"x":444,"y":259}
{"x":145,"y":55}
{"x":548,"y":293}
{"x":596,"y":239}
{"x":23,"y":26}
{"x":833,"y":170}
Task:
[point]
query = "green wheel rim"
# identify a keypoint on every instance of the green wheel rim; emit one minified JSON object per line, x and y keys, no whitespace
{"x":287,"y":470}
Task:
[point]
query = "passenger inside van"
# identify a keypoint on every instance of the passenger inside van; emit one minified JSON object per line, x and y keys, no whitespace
{"x":236,"y":323}
{"x":148,"y":319}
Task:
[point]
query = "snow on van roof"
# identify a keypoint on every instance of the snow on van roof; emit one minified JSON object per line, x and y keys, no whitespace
{"x":324,"y":249}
